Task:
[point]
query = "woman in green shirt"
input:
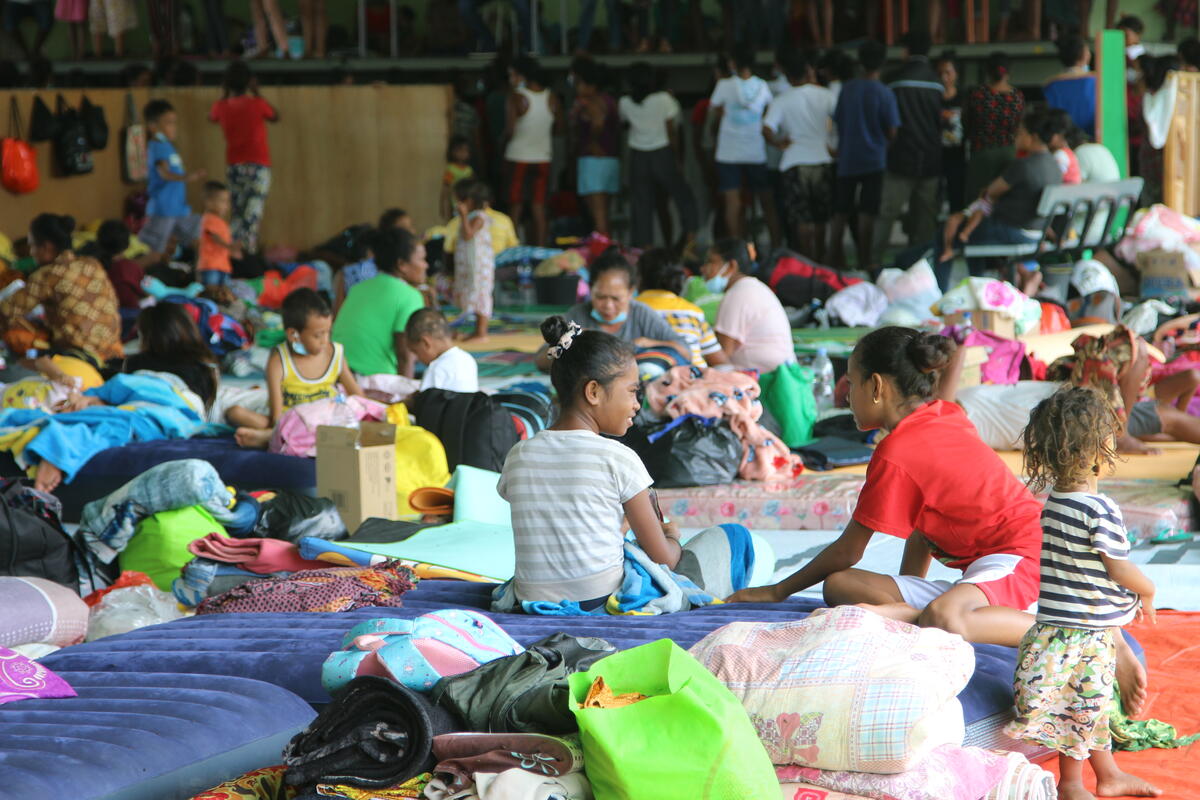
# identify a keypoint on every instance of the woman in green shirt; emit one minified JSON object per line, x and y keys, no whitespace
{"x":370,"y":323}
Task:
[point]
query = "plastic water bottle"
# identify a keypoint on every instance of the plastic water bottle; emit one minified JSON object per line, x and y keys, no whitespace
{"x":968,"y":327}
{"x":343,"y":416}
{"x":525,"y":287}
{"x":822,"y":369}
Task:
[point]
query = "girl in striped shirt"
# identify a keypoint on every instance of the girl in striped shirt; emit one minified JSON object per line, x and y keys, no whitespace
{"x":1066,"y":668}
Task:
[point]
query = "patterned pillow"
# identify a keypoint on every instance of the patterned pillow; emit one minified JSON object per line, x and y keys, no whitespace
{"x":40,"y":611}
{"x":844,"y":689}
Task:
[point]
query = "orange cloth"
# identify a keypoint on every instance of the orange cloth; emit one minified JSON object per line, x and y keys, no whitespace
{"x":1173,"y":660}
{"x":214,"y":257}
{"x":601,"y":696}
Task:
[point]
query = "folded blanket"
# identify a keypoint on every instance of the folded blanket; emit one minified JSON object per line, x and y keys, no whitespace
{"x":949,"y":772}
{"x":722,"y":558}
{"x":108,"y":524}
{"x":22,"y":679}
{"x":260,"y":556}
{"x":323,"y":590}
{"x":806,"y":791}
{"x":1023,"y":781}
{"x":375,"y":733}
{"x":461,"y":755}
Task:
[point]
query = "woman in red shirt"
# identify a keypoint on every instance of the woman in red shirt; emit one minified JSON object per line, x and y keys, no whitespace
{"x":243,"y":115}
{"x":933,"y":482}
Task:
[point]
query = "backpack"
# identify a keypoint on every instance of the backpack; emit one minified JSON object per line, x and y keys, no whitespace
{"x":34,"y":544}
{"x":94,"y":123}
{"x":418,"y":652}
{"x":135,"y":159}
{"x":525,"y":693}
{"x":71,"y":150}
{"x":41,"y":122}
{"x":223,"y":333}
{"x":475,"y":429}
{"x":797,"y":281}
{"x":529,"y":406}
{"x":18,"y":160}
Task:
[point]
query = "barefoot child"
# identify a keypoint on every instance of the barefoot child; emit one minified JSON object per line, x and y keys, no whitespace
{"x":959,"y":225}
{"x":446,"y":366}
{"x":474,"y":260}
{"x":1066,"y":668}
{"x":309,"y":366}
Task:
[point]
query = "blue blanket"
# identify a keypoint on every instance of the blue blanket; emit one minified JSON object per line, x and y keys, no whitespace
{"x":143,"y":406}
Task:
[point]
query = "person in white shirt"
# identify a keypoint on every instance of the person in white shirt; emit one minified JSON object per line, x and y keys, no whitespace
{"x":737,"y":106}
{"x":447,"y":366}
{"x":654,"y":156}
{"x":800,"y":122}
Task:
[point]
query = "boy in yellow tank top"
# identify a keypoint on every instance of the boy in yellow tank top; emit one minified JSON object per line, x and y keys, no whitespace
{"x":306,"y":368}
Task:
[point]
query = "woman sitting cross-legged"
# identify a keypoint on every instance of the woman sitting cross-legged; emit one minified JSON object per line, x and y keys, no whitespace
{"x":935,"y":483}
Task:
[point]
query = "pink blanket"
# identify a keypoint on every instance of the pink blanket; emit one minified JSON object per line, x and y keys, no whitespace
{"x":733,"y":396}
{"x":261,"y":556}
{"x":296,"y":433}
{"x":949,"y":772}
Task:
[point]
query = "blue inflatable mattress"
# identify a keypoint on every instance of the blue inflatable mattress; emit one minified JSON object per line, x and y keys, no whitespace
{"x":111,"y":469}
{"x":143,"y":736}
{"x":288,"y":649}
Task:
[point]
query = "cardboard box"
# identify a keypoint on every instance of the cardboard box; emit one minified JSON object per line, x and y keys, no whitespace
{"x":972,"y":369}
{"x":356,"y":469}
{"x":992,"y":322}
{"x":1164,"y":274}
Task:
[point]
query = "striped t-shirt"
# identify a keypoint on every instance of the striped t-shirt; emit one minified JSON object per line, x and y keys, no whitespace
{"x":1076,"y":591}
{"x":688,"y":321}
{"x":567,"y":490}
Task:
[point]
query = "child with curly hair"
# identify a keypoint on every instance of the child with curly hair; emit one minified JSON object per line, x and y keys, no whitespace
{"x":1066,"y":669}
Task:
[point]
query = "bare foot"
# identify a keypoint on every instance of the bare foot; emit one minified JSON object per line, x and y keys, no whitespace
{"x":1122,"y":784}
{"x":256,"y":438}
{"x":48,"y":477}
{"x":1074,"y":790}
{"x":1131,"y":677}
{"x":947,"y":254}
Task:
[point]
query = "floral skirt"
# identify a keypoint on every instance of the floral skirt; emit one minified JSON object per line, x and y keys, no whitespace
{"x":1064,"y":688}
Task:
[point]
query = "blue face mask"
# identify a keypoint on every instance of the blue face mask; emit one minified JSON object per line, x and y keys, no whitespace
{"x":298,"y":348}
{"x":718,"y":283}
{"x":617,"y":320}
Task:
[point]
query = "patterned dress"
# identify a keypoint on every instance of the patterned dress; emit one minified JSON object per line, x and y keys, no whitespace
{"x":990,"y":121}
{"x":475,"y":269}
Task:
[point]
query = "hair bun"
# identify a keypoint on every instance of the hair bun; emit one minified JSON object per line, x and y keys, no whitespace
{"x":930,"y":352}
{"x":67,"y":222}
{"x":554,"y":328}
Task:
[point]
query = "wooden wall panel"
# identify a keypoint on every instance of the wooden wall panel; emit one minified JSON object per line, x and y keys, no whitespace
{"x":1181,"y":156}
{"x":340,"y":155}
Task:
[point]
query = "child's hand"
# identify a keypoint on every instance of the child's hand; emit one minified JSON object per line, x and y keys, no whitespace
{"x":1146,"y":610}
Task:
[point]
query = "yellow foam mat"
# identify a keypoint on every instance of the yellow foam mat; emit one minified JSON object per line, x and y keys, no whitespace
{"x":521,"y":342}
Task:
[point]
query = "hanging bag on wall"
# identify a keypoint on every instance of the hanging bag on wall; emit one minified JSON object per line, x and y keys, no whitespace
{"x":18,"y":159}
{"x":41,"y":122}
{"x":94,"y":123}
{"x":71,"y":150}
{"x":134,"y":159}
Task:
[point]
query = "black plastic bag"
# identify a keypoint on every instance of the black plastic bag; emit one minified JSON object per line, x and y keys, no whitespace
{"x":94,"y":123}
{"x":688,"y":451}
{"x":41,"y":122}
{"x":71,"y":149}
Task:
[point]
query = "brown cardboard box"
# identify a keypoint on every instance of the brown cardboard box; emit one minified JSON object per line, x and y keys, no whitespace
{"x":1164,"y":274}
{"x":972,"y":370}
{"x":356,"y":469}
{"x":993,"y":322}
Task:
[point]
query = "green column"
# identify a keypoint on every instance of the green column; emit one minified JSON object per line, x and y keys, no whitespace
{"x":1112,"y":124}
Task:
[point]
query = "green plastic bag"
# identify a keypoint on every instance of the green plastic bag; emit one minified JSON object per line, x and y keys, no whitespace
{"x":159,"y":548}
{"x":695,"y":291}
{"x":690,"y":740}
{"x":788,"y":394}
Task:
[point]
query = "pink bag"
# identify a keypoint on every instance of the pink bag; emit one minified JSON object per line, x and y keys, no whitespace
{"x":296,"y":433}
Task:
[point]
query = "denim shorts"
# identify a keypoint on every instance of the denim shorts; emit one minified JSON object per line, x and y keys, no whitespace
{"x":156,"y":233}
{"x":213,"y":277}
{"x":735,"y":177}
{"x":598,"y":175}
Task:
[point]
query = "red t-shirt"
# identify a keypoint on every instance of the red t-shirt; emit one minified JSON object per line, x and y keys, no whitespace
{"x":934,"y":474}
{"x":244,"y":121}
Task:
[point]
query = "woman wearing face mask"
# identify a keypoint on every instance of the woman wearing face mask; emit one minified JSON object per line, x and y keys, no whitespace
{"x":752,"y":327}
{"x":613,"y":310}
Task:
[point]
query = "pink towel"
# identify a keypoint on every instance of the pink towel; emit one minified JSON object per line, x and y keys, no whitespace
{"x":262,"y":556}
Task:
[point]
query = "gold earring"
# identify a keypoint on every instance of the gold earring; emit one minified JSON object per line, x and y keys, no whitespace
{"x":876,"y":401}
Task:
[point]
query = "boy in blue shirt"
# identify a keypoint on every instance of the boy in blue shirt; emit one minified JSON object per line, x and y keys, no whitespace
{"x":168,"y":216}
{"x":866,"y":119}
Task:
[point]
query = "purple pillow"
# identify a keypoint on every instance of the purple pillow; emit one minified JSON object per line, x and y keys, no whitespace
{"x":21,"y":679}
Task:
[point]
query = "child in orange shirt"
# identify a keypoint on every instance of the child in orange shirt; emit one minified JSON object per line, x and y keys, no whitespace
{"x":216,"y":242}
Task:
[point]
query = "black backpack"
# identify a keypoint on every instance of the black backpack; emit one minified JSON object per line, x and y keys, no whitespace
{"x":94,"y":123}
{"x":475,"y":429}
{"x":41,"y":122}
{"x":525,"y":693}
{"x":71,"y":150}
{"x":33,"y":543}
